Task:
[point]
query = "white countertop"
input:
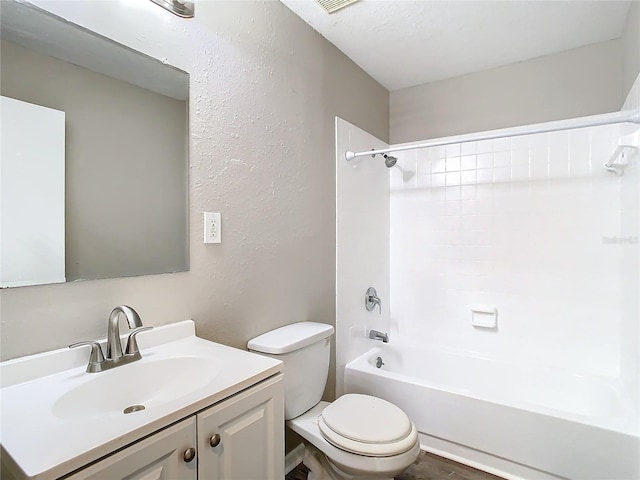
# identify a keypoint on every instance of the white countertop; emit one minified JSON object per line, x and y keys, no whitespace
{"x":42,"y":445}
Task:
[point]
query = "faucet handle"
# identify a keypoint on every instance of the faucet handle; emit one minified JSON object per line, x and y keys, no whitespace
{"x":95,"y":358}
{"x":371,"y":299}
{"x":132,"y":343}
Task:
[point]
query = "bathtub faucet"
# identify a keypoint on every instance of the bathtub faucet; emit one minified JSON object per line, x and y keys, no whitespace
{"x":376,"y":335}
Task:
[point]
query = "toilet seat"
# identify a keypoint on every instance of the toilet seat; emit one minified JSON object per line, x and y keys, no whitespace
{"x":368,"y":426}
{"x":360,"y":466}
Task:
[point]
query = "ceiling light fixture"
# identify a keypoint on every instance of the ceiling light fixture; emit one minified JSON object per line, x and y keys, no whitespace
{"x":332,"y":6}
{"x":182,"y":8}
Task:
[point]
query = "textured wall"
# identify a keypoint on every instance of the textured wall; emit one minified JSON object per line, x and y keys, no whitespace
{"x":265,"y":89}
{"x":117,"y":135}
{"x":578,"y":82}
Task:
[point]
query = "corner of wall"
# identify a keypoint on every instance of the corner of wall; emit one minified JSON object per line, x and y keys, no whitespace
{"x":631,"y":48}
{"x":632,"y":100}
{"x":362,"y":243}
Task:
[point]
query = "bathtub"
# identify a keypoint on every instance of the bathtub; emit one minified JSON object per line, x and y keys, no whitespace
{"x":516,"y":421}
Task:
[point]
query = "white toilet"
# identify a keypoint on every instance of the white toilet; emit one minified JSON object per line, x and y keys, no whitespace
{"x":356,"y":436}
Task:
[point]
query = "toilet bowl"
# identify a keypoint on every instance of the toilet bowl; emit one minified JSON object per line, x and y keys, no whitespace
{"x":349,"y":464}
{"x":356,"y":436}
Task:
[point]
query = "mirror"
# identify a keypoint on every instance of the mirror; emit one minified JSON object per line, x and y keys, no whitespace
{"x":94,"y":159}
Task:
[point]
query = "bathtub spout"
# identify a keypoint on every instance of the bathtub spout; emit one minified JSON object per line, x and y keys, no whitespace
{"x":376,"y":335}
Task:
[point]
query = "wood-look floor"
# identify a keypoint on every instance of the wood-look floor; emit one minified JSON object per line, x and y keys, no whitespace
{"x":427,"y":467}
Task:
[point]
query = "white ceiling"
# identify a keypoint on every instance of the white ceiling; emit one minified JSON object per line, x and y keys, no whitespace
{"x":402,"y":43}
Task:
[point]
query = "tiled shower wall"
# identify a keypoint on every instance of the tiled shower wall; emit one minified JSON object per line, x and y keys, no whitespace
{"x":630,"y":260}
{"x":629,"y":269}
{"x":530,"y":225}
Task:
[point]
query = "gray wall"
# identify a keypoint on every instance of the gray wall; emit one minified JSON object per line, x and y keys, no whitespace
{"x":265,"y":88}
{"x":631,"y":48}
{"x":578,"y":82}
{"x":126,"y":168}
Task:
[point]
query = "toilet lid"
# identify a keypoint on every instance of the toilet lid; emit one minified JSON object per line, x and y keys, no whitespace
{"x":367,"y":426}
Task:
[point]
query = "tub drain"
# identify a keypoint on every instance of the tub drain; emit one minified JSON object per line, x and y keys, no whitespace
{"x":133,"y":408}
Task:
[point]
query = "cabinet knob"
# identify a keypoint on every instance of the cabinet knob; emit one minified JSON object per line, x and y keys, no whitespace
{"x":189,"y":454}
{"x":214,"y":441}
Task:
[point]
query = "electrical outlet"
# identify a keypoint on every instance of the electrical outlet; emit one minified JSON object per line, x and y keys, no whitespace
{"x":212,"y":228}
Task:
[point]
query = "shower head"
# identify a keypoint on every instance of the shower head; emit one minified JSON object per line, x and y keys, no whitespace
{"x":389,"y":161}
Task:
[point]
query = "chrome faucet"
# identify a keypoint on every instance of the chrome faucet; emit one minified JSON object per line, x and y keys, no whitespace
{"x":114,"y":347}
{"x":376,"y":335}
{"x":115,"y":357}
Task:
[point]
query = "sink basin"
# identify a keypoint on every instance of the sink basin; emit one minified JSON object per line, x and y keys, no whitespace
{"x":56,"y":418}
{"x":145,"y":383}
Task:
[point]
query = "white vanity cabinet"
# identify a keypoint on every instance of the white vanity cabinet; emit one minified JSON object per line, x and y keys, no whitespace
{"x":59,"y":422}
{"x":240,"y":438}
{"x":243,"y":438}
{"x":157,"y":457}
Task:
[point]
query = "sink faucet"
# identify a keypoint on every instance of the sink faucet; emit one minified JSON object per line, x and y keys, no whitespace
{"x":114,"y":347}
{"x":376,"y":335}
{"x":115,"y":357}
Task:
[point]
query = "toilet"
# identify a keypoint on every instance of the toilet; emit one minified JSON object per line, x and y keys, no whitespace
{"x":354,"y":437}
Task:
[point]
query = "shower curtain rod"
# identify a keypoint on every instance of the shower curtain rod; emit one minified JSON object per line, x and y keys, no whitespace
{"x":628,"y":116}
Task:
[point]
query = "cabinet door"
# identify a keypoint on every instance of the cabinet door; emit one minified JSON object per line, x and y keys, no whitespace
{"x":250,"y":430}
{"x":158,"y":457}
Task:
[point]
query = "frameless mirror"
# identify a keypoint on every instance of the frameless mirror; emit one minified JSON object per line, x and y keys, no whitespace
{"x":94,"y":156}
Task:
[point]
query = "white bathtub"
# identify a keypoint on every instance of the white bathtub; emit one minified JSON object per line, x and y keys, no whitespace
{"x":516,"y":421}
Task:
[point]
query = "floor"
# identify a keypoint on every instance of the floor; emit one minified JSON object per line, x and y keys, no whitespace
{"x":427,"y":467}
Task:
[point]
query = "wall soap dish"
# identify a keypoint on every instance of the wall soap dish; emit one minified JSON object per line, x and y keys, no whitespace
{"x":484,"y":316}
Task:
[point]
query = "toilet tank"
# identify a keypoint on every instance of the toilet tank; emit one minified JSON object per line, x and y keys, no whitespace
{"x":304,"y":348}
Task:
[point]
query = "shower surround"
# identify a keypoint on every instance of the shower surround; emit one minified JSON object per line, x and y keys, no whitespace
{"x":535,"y":227}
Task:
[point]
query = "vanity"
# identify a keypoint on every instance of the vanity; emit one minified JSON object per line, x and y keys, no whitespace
{"x":188,"y":409}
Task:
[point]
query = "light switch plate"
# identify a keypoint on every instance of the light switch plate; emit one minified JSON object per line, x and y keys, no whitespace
{"x":212,"y":228}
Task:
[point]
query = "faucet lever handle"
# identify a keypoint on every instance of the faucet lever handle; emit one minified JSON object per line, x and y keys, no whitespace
{"x":377,"y":301}
{"x":132,"y":343}
{"x":371,"y":299}
{"x":96,"y":355}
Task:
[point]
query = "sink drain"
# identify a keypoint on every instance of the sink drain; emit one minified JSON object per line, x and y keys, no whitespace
{"x":133,"y":408}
